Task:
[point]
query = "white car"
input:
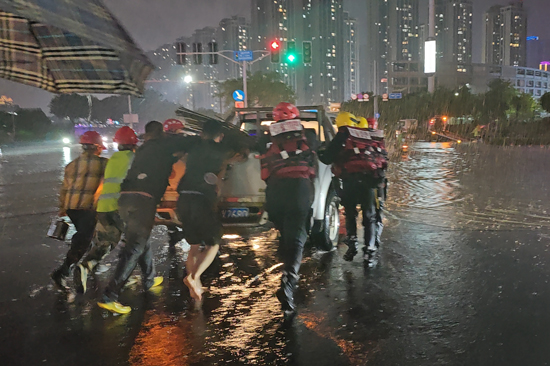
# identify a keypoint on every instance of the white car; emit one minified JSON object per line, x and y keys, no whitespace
{"x":242,"y":195}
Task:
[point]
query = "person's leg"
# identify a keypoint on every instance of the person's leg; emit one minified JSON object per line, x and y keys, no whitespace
{"x":138,"y":213}
{"x":369,"y":221}
{"x":297,"y":204}
{"x":349,"y":201}
{"x":84,"y":222}
{"x":108,"y":233}
{"x":203,"y":259}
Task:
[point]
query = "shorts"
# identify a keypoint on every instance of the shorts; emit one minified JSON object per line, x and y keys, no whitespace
{"x":200,"y":220}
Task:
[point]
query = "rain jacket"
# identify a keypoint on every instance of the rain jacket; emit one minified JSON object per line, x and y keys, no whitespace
{"x":115,"y":172}
{"x":81,"y":183}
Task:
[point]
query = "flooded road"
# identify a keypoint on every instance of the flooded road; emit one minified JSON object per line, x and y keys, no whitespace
{"x":461,"y":279}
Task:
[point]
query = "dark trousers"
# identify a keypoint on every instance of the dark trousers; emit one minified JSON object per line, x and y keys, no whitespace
{"x":108,"y":232}
{"x":84,"y":222}
{"x":288,"y":202}
{"x":138,"y":213}
{"x":360,"y":191}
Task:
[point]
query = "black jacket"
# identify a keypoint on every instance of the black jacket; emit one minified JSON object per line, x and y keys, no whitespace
{"x":153,"y":162}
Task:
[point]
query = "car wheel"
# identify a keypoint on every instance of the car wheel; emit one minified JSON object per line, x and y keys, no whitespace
{"x":329,"y":234}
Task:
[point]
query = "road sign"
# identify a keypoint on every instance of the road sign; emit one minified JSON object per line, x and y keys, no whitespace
{"x":239,"y":104}
{"x":396,"y":95}
{"x":243,"y":56}
{"x":377,"y":115}
{"x":238,"y":95}
{"x":353,"y":96}
{"x":385,"y":97}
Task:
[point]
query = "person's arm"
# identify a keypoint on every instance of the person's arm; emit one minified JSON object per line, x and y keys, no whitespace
{"x":63,"y":191}
{"x":329,"y":154}
{"x":181,"y":144}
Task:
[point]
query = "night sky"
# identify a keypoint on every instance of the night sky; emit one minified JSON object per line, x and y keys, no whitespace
{"x":153,"y":23}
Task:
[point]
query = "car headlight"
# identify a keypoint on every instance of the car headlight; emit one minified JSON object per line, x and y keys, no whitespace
{"x":104,"y":138}
{"x":66,"y":140}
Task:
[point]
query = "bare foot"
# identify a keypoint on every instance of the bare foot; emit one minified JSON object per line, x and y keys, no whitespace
{"x":196,"y":292}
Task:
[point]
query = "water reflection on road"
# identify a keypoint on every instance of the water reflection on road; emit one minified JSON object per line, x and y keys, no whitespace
{"x":465,"y":245}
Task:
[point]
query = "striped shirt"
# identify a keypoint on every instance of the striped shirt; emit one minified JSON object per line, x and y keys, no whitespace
{"x":82,"y":182}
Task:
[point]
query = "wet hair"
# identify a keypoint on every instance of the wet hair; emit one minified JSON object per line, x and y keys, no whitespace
{"x":89,"y":147}
{"x":126,"y":147}
{"x":154,"y":129}
{"x":212,"y":129}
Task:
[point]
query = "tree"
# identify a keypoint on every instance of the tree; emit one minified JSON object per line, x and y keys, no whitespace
{"x":496,"y":103}
{"x":263,"y":90}
{"x":70,"y":106}
{"x":545,"y":102}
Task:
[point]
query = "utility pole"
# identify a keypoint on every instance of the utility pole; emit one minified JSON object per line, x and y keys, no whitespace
{"x":431,"y":36}
{"x":375,"y":91}
{"x":245,"y":85}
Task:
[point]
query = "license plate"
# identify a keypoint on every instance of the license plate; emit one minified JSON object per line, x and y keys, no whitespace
{"x":235,"y":213}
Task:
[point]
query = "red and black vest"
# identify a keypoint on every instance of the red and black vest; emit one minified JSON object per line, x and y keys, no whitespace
{"x":289,"y":155}
{"x":362,"y":153}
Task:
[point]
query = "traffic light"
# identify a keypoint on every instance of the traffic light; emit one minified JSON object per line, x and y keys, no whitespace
{"x":197,"y":59}
{"x":213,"y":47}
{"x":291,"y":55}
{"x":180,"y":52}
{"x":306,"y":51}
{"x":275,"y":48}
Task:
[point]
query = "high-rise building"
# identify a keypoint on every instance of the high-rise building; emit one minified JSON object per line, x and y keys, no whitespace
{"x":233,"y":35}
{"x":392,"y":37}
{"x":317,"y":21}
{"x":505,"y":35}
{"x":351,"y":57}
{"x":491,"y":37}
{"x":454,"y":32}
{"x":514,"y":35}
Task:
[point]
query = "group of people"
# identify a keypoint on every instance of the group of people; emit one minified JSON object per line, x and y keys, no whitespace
{"x":115,"y":200}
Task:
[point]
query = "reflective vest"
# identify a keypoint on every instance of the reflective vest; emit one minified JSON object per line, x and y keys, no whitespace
{"x":363,"y":152}
{"x":289,"y":155}
{"x":115,"y":172}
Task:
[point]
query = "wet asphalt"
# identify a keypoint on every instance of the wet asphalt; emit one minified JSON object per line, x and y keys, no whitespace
{"x":462,"y":278}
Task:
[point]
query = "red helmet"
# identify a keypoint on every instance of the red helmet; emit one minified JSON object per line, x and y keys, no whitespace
{"x":372,"y":123}
{"x":285,"y":111}
{"x":125,"y":136}
{"x":92,"y":138}
{"x":172,"y":125}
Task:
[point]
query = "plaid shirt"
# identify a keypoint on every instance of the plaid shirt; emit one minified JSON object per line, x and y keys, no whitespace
{"x":82,"y":182}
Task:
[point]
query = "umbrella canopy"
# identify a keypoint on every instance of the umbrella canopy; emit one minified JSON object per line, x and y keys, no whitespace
{"x":69,"y":46}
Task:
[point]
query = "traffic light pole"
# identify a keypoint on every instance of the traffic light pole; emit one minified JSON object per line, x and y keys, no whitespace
{"x":244,"y":65}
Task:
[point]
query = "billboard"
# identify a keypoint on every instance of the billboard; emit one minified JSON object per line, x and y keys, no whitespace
{"x":429,"y":57}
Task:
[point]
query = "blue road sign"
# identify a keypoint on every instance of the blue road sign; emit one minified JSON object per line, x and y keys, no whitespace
{"x":377,"y":115}
{"x":243,"y":55}
{"x":238,"y":95}
{"x":395,"y":96}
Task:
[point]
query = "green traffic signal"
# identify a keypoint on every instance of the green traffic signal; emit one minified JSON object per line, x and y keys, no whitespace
{"x":291,"y":58}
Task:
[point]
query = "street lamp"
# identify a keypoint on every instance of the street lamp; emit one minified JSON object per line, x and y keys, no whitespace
{"x":188,"y":79}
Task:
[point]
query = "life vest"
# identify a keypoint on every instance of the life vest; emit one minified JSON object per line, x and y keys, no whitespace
{"x":362,"y":153}
{"x":289,"y":155}
{"x":115,"y":172}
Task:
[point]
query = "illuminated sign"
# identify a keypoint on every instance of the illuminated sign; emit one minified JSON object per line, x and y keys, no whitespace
{"x":533,"y":38}
{"x":429,"y":57}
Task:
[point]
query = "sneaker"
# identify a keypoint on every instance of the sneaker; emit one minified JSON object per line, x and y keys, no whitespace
{"x":350,"y":253}
{"x":101,"y":268}
{"x":368,"y":253}
{"x":80,"y":277}
{"x":157,"y":282}
{"x":114,"y":307}
{"x":59,"y":280}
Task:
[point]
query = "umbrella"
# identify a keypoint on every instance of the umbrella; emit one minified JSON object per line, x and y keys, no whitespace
{"x":69,"y":46}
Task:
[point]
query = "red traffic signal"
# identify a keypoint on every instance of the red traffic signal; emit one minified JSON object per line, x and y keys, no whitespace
{"x":275,"y":46}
